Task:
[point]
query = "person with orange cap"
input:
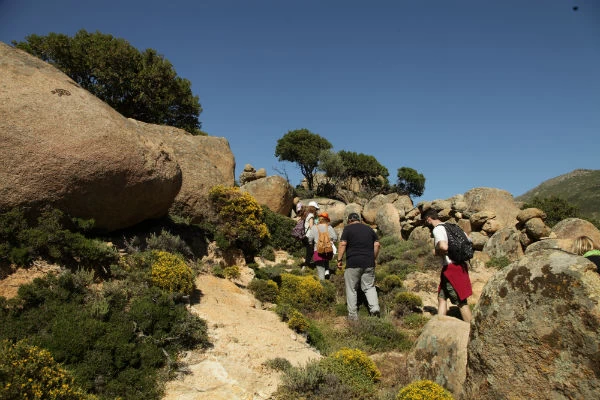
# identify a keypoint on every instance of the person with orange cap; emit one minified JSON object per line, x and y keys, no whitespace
{"x":321,"y":260}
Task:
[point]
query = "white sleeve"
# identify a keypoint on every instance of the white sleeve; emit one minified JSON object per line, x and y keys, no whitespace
{"x":439,"y":235}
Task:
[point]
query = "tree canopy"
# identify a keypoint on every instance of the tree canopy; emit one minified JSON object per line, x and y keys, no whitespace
{"x":302,"y":147}
{"x":139,"y":85}
{"x":410,"y":182}
{"x":366,"y":169}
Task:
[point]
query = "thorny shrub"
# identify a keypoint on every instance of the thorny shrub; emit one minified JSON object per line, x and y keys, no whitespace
{"x":423,"y":390}
{"x":30,"y":372}
{"x":305,"y":293}
{"x":171,"y":273}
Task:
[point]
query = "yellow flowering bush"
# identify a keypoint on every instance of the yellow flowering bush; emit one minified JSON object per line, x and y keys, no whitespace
{"x":406,"y":302}
{"x":170,"y":272}
{"x":240,"y":219}
{"x":354,"y":368}
{"x":306,"y":293}
{"x":232,"y":272}
{"x":297,"y":321}
{"x":30,"y":372}
{"x":423,"y":390}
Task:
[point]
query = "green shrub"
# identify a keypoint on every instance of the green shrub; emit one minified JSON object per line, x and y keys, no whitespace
{"x":278,"y":364}
{"x":423,"y":389}
{"x":170,"y":272}
{"x":390,"y":282}
{"x":168,"y":242}
{"x":270,"y":273}
{"x":414,"y":321}
{"x":316,"y":338}
{"x":298,"y":322}
{"x":305,"y":293}
{"x":354,"y":368}
{"x":313,"y":382}
{"x":498,"y":262}
{"x":22,"y":242}
{"x":232,"y":272}
{"x":28,"y":371}
{"x":268,"y":253}
{"x":240,"y":220}
{"x":378,"y":335}
{"x":264,"y":290}
{"x":406,"y":302}
{"x":116,"y":341}
{"x":280,"y":228}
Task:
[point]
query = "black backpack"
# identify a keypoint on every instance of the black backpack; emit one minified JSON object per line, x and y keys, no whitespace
{"x":460,"y":248}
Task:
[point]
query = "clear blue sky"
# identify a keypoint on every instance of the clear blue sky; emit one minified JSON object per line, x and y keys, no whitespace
{"x":470,"y":93}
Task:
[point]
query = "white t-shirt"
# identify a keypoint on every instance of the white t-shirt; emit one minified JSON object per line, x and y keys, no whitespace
{"x":440,"y":235}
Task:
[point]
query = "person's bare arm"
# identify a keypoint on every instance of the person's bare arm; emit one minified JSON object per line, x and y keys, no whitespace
{"x":441,"y":248}
{"x":340,"y":255}
{"x":376,"y":247}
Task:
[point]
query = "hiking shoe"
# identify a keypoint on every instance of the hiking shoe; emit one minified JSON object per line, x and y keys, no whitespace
{"x":327,"y":273}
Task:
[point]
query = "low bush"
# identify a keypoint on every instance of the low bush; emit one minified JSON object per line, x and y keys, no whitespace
{"x":268,"y":253}
{"x":498,"y":262}
{"x":390,"y":282}
{"x":278,"y":364}
{"x":166,"y":241}
{"x":298,"y":322}
{"x":264,"y":290}
{"x":280,"y":228}
{"x":378,"y":335}
{"x":406,"y":302}
{"x":21,"y":242}
{"x":305,"y":293}
{"x":232,"y":272}
{"x":114,"y":340}
{"x":171,"y":273}
{"x":414,"y":321}
{"x":28,"y":371}
{"x":313,"y":382}
{"x":423,"y":389}
{"x":240,"y":220}
{"x":354,"y":368}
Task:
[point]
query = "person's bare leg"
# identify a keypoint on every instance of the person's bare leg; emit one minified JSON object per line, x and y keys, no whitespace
{"x":442,"y":306}
{"x":465,"y":313}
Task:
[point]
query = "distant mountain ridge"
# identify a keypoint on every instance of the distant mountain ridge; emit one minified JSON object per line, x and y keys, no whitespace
{"x":580,"y":187}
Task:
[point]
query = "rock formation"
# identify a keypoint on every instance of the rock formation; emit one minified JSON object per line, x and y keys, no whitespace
{"x":205,"y":161}
{"x":63,"y":147}
{"x":535,"y":332}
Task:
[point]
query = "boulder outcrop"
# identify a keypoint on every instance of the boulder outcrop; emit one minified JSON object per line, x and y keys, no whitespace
{"x":273,"y":191}
{"x":205,"y":161}
{"x":63,"y":147}
{"x":440,"y":353}
{"x":535,"y":332}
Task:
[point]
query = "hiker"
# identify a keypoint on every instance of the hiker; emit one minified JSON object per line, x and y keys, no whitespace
{"x":455,"y":283}
{"x":321,"y":258}
{"x":361,"y":245}
{"x":310,"y":211}
{"x":584,"y":246}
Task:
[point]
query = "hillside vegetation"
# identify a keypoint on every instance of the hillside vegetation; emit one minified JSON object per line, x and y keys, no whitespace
{"x":580,"y":188}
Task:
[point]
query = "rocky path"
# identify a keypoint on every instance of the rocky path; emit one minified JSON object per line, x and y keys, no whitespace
{"x":244,"y":337}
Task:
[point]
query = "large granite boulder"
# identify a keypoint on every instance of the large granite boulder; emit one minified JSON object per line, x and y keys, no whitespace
{"x":440,"y":353}
{"x":505,"y":243}
{"x":273,"y":191}
{"x":496,"y":201}
{"x":535,"y":333}
{"x":205,"y":161}
{"x":63,"y":147}
{"x":571,"y":228}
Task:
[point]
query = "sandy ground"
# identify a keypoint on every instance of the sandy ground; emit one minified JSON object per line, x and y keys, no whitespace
{"x":244,"y":337}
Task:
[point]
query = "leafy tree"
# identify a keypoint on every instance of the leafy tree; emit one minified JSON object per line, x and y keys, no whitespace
{"x":139,"y":85}
{"x":410,"y":182}
{"x":556,"y":208}
{"x":302,"y":147}
{"x":365,"y":168}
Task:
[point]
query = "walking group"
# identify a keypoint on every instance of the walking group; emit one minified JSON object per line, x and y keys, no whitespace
{"x":360,"y":245}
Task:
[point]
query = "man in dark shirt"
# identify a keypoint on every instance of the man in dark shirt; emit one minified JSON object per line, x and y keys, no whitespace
{"x":361,"y":245}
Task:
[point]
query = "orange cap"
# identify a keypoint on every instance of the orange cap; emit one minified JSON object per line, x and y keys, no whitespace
{"x":324,"y":215}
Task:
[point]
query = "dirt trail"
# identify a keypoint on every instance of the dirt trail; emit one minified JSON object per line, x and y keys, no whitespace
{"x":243,"y":337}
